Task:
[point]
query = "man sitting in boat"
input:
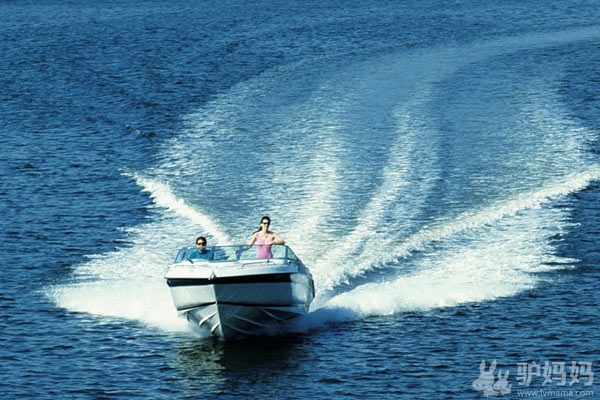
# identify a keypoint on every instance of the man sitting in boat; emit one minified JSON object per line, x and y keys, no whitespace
{"x":264,"y":239}
{"x":201,"y":252}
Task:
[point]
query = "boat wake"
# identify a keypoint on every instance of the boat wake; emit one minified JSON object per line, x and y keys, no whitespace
{"x":394,"y":202}
{"x":479,"y":256}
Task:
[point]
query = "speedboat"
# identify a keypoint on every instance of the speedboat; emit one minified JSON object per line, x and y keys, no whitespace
{"x":233,"y":293}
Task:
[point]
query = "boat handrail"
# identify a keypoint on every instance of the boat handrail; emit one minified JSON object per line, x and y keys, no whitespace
{"x":234,"y":253}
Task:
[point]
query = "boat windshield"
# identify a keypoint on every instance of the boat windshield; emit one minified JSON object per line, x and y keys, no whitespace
{"x":237,"y":252}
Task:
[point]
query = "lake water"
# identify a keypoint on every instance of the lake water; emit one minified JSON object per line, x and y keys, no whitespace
{"x":435,"y":164}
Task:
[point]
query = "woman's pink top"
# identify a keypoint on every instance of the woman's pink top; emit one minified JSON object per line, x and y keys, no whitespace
{"x":264,"y":250}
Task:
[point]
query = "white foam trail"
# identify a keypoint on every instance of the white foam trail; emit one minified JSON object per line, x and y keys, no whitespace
{"x":361,"y":249}
{"x":318,"y":180}
{"x":501,"y":260}
{"x":364,"y":241}
{"x":128,"y":283}
{"x":163,"y":196}
{"x":141,"y":300}
{"x":474,"y":251}
{"x":323,"y":187}
{"x":499,"y":263}
{"x":475,"y":219}
{"x":391,"y":250}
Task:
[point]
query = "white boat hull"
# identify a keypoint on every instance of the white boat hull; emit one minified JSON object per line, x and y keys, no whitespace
{"x":241,"y":298}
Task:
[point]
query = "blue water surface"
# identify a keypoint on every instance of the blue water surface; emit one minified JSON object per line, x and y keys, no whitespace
{"x":434,"y":163}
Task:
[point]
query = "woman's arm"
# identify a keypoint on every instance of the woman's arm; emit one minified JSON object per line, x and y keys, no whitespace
{"x":251,"y":242}
{"x":277,"y":239}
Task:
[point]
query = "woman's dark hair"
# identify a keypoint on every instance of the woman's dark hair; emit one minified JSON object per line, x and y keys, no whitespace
{"x":260,"y":226}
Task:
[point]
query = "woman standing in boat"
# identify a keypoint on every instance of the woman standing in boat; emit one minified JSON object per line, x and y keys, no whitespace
{"x":264,"y":239}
